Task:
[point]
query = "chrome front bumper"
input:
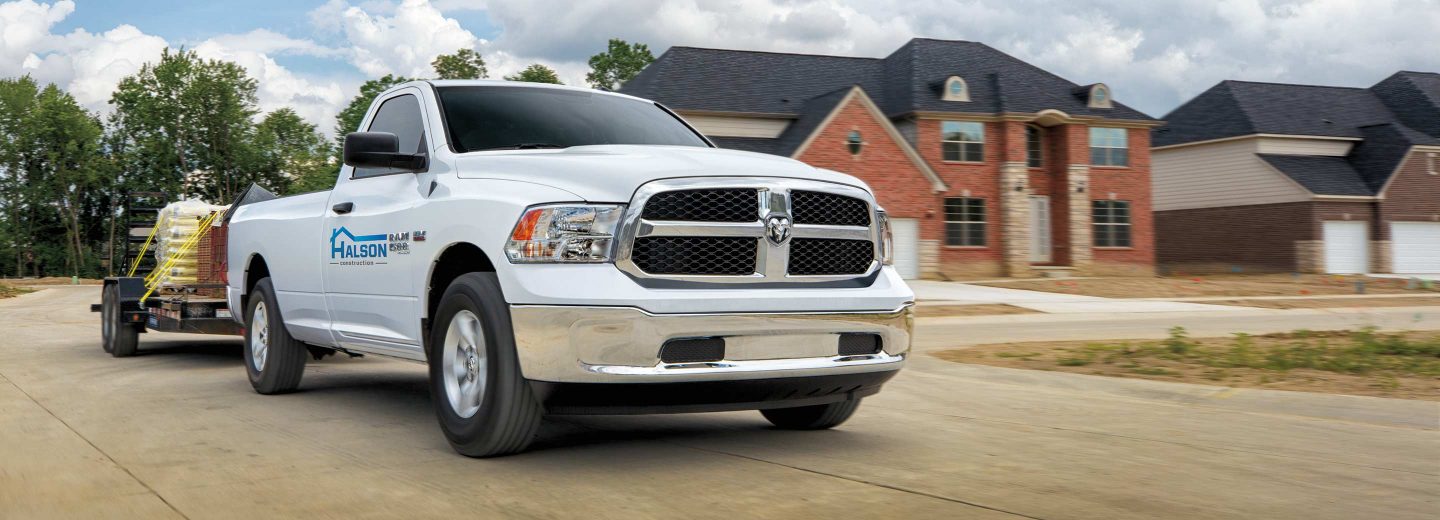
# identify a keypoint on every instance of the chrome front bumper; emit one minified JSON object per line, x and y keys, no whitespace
{"x":566,"y":344}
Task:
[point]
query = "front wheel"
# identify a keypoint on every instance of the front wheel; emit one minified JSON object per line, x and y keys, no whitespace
{"x":817,"y":417}
{"x":484,"y":405}
{"x":273,"y":360}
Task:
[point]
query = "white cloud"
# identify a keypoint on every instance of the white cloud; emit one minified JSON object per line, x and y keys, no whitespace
{"x":90,"y":65}
{"x":404,"y":42}
{"x":315,"y":100}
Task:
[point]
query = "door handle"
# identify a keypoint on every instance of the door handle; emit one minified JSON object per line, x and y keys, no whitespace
{"x":343,"y":207}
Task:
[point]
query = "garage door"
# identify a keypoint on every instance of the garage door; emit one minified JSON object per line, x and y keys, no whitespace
{"x":1415,"y":247}
{"x":1347,"y":246}
{"x":907,"y":246}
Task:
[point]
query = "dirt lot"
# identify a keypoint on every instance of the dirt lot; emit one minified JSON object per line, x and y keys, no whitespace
{"x":7,"y":291}
{"x":1328,"y":303}
{"x":1404,"y":365}
{"x":1220,"y":285}
{"x":49,"y":280}
{"x":936,"y":311}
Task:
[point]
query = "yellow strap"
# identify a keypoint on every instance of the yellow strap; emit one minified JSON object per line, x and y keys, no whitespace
{"x":161,"y":274}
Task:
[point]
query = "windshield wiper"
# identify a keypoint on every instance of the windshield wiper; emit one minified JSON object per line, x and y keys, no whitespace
{"x":525,"y":146}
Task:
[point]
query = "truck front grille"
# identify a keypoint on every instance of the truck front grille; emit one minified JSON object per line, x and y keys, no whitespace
{"x":713,"y":205}
{"x":748,"y":230}
{"x":696,"y":255}
{"x":828,"y":256}
{"x":814,"y":207}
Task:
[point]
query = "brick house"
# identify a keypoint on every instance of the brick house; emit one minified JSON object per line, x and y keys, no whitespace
{"x":1296,"y":178}
{"x":988,"y":165}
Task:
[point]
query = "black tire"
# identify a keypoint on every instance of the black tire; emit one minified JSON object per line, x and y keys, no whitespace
{"x":509,"y":415}
{"x":817,"y":417}
{"x":283,"y":358}
{"x":118,"y":338}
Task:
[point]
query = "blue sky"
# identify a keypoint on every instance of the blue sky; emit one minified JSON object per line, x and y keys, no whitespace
{"x":312,"y":55}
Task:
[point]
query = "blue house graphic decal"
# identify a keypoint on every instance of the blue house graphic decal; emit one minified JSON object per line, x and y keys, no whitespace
{"x":351,"y":246}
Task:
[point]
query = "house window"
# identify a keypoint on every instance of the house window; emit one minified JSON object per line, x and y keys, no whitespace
{"x":1112,"y":223}
{"x":956,"y":90}
{"x":964,"y":222}
{"x":1109,"y":147}
{"x":962,"y":141}
{"x":854,"y":142}
{"x":1034,"y":157}
{"x":1099,"y":96}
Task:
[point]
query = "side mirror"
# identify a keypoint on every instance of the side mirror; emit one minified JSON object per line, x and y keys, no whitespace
{"x":380,"y":150}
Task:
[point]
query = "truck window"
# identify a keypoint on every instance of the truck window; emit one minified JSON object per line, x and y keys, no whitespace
{"x":507,"y":117}
{"x":399,"y":115}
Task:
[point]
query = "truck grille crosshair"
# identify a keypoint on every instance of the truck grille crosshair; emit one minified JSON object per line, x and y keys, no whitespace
{"x":749,"y":231}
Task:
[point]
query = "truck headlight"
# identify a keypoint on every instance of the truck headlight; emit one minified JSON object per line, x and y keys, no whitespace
{"x":566,"y":233}
{"x":887,"y":239}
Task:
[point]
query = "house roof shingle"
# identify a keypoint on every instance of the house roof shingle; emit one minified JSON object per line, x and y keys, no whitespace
{"x":1321,"y":174}
{"x":906,"y":81}
{"x":1387,"y":119}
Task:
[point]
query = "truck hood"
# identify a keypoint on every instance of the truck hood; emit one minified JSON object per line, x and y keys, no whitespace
{"x":612,"y":173}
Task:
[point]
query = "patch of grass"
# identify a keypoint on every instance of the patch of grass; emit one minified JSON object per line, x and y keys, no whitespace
{"x":1364,"y":362}
{"x":8,"y":291}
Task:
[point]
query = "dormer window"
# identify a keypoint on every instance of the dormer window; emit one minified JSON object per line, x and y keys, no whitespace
{"x":1099,"y":96}
{"x":956,"y":90}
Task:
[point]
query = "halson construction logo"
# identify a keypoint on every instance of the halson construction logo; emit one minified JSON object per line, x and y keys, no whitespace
{"x":347,"y":248}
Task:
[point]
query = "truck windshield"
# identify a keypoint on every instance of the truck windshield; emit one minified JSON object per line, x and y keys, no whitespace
{"x":506,"y":118}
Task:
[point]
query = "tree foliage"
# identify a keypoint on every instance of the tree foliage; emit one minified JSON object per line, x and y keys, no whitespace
{"x":291,"y":149}
{"x":620,"y":62}
{"x":463,"y":64}
{"x":187,"y":123}
{"x":536,"y":73}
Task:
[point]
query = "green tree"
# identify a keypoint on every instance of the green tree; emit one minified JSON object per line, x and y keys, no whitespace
{"x":187,"y":126}
{"x":619,"y":63}
{"x":349,"y":119}
{"x":295,"y":154}
{"x":464,"y":64}
{"x":536,"y":73}
{"x":51,"y":181}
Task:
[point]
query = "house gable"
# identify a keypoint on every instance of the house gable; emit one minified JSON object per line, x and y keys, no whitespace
{"x":902,"y":184}
{"x":851,"y":111}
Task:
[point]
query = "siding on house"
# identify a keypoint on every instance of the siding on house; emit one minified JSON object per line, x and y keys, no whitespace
{"x":1302,"y":146}
{"x":1221,"y":174}
{"x":731,"y":126}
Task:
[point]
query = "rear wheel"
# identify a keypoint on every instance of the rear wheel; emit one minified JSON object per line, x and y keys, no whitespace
{"x":273,"y":360}
{"x":118,"y":338}
{"x":817,"y":417}
{"x":484,"y":405}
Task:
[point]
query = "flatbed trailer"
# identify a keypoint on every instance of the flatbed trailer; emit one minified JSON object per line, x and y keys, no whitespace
{"x":130,"y":307}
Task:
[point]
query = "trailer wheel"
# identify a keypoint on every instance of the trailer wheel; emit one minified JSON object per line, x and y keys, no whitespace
{"x":273,"y":360}
{"x":484,"y":405}
{"x":816,"y":417}
{"x":118,"y":338}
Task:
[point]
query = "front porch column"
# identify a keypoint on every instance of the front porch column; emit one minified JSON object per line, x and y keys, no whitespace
{"x":1015,"y":219}
{"x":1082,"y":255}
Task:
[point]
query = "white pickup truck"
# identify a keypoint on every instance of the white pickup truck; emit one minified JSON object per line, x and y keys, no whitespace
{"x":557,"y":250}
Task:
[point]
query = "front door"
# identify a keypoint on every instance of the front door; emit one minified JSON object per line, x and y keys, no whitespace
{"x":369,"y":280}
{"x":1040,"y":229}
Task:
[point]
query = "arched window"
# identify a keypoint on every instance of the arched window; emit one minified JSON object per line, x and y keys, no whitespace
{"x":1034,"y":146}
{"x":956,"y":90}
{"x":1099,"y":96}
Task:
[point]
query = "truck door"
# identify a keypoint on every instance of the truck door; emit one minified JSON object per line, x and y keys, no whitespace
{"x":369,"y":276}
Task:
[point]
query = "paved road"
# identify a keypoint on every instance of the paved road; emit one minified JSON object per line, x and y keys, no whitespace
{"x":953,"y":293}
{"x":177,"y":432}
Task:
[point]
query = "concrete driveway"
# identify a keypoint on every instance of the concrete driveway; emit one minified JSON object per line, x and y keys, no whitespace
{"x":176,"y":432}
{"x":930,"y":291}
